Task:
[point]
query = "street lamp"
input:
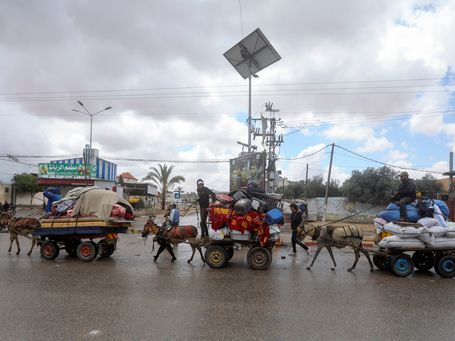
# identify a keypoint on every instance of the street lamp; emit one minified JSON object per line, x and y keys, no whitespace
{"x":87,"y":112}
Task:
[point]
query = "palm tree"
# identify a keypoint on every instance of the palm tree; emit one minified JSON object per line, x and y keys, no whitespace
{"x":161,"y":176}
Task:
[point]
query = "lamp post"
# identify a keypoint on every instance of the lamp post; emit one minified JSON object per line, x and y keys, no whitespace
{"x":87,"y":112}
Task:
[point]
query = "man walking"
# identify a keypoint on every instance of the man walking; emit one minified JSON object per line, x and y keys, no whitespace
{"x":296,"y":220}
{"x":204,"y":198}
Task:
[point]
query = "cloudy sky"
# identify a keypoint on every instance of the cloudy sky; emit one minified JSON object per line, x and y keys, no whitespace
{"x":374,"y":77}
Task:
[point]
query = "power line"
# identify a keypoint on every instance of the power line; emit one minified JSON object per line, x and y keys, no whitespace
{"x":210,"y":94}
{"x":388,"y":164}
{"x":304,"y":156}
{"x":439,"y":79}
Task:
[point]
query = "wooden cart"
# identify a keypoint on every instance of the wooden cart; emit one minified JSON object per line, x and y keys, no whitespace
{"x":76,"y":236}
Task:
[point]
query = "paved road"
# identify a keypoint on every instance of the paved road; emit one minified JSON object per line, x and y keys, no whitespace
{"x":128,"y":297}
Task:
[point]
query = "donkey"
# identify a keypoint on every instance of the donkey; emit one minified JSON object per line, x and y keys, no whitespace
{"x":174,"y":235}
{"x":338,"y":236}
{"x":24,"y":227}
{"x":4,"y":219}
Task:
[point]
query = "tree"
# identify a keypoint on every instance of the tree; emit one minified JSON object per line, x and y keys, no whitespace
{"x":316,"y":188}
{"x":373,"y":186}
{"x":26,"y":183}
{"x":428,"y":185}
{"x":161,"y":176}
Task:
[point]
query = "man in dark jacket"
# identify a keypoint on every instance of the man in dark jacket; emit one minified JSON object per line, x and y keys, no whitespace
{"x":405,"y":194}
{"x":204,"y":198}
{"x":296,"y":220}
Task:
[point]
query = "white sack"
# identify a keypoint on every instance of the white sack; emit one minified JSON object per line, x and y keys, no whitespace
{"x":409,"y":232}
{"x":392,"y":228}
{"x":428,"y":222}
{"x":443,"y":243}
{"x":395,"y":242}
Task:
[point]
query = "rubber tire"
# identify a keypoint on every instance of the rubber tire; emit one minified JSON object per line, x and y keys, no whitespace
{"x":71,"y":246}
{"x":230,"y":253}
{"x":87,"y":251}
{"x":423,"y":260}
{"x":259,"y":258}
{"x":381,"y":262}
{"x":446,"y":266}
{"x":49,"y":250}
{"x":216,"y":256}
{"x":105,"y":249}
{"x":401,"y":265}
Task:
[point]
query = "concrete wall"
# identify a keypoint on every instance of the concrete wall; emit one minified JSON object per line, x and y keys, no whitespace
{"x":338,"y":208}
{"x":23,"y":199}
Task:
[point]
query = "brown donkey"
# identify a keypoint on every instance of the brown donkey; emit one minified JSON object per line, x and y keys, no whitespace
{"x":174,"y":235}
{"x":5,"y":217}
{"x":338,"y":236}
{"x":24,"y":227}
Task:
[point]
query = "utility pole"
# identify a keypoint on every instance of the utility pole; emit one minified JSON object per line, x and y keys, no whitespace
{"x":249,"y":114}
{"x":306,"y":183}
{"x":271,"y":141}
{"x":328,"y":183}
{"x":451,"y":196}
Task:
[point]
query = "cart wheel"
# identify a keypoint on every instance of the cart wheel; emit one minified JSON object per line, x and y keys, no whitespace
{"x":401,"y":265}
{"x":71,"y":246}
{"x":105,"y":249}
{"x":230,"y":253}
{"x":422,"y":260}
{"x":216,"y":256}
{"x":259,"y":258}
{"x":87,"y":251}
{"x":381,"y":262}
{"x":49,"y":250}
{"x":446,"y":266}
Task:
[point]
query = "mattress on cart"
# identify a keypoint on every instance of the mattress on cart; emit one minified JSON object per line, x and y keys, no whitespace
{"x":87,"y":225}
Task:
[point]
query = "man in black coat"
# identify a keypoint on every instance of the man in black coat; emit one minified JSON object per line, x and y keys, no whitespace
{"x":296,"y":220}
{"x":204,"y":198}
{"x":405,"y":194}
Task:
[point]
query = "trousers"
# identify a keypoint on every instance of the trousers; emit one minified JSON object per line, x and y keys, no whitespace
{"x":296,"y":242}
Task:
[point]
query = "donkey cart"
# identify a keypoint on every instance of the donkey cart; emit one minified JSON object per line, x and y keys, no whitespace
{"x":402,"y":264}
{"x":219,"y":252}
{"x":76,"y":237}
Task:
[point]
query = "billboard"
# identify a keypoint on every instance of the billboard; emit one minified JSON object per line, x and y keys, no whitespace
{"x":245,"y":169}
{"x":66,"y":170}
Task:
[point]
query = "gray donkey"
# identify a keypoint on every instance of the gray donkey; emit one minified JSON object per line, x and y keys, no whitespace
{"x":338,"y":236}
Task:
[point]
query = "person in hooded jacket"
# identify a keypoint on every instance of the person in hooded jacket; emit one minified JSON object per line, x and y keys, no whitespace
{"x":296,"y":220}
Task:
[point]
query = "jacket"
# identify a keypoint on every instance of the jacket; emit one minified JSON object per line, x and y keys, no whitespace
{"x":296,"y":219}
{"x":204,"y":197}
{"x":407,"y":188}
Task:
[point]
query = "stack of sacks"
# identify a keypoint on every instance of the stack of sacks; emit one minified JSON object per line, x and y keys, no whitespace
{"x":439,"y":209}
{"x":429,"y":235}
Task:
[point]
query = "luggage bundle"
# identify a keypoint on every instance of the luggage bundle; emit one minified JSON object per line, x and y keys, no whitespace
{"x":92,"y":202}
{"x":246,"y":217}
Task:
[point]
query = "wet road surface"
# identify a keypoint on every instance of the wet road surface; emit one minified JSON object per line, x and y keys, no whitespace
{"x":129,"y":297}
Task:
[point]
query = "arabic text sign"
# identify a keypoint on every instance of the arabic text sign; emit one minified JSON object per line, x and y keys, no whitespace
{"x":66,"y":170}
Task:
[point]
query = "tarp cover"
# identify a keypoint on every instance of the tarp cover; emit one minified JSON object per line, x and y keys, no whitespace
{"x":93,"y":201}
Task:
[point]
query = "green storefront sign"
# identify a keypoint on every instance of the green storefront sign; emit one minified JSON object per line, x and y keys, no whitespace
{"x":66,"y":170}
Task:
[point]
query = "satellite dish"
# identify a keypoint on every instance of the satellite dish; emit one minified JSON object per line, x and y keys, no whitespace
{"x":252,"y":54}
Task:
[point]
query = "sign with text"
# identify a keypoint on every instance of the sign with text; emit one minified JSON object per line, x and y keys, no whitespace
{"x":66,"y":170}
